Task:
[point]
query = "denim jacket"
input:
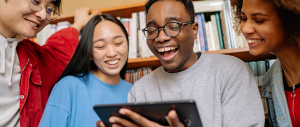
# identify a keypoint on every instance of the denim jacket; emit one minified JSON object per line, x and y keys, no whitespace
{"x":273,"y":92}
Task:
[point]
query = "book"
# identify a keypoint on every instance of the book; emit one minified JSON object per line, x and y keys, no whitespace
{"x":200,"y":32}
{"x":219,"y":30}
{"x":211,"y":45}
{"x":204,"y":31}
{"x":253,"y":68}
{"x":261,"y":71}
{"x":226,"y":45}
{"x":215,"y":32}
{"x":133,"y":37}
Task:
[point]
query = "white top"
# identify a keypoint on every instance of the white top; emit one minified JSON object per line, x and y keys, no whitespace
{"x":10,"y":76}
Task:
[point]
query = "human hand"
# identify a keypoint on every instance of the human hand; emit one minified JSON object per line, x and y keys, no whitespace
{"x":139,"y":120}
{"x":82,"y":17}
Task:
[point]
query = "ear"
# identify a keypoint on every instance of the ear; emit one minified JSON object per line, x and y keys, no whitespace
{"x":195,"y":30}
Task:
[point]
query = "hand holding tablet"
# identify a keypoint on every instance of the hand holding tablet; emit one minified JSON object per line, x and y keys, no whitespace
{"x":157,"y":112}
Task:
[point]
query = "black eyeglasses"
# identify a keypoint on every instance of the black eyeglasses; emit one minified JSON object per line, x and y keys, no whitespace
{"x":171,"y":29}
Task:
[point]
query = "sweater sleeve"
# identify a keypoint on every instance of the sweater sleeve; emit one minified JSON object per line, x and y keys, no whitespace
{"x":62,"y":44}
{"x":58,"y":111}
{"x":55,"y":117}
{"x":131,"y":95}
{"x":240,"y":98}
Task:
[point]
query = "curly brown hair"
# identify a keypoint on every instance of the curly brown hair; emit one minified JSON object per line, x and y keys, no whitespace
{"x":289,"y":14}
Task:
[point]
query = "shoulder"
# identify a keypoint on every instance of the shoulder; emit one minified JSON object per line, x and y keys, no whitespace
{"x":276,"y":66}
{"x":223,"y":62}
{"x":69,"y":82}
{"x":125,"y":84}
{"x":26,"y":43}
{"x":223,"y":59}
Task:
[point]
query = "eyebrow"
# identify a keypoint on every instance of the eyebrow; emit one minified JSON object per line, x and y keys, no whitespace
{"x":255,"y":14}
{"x":102,"y":39}
{"x":168,"y":19}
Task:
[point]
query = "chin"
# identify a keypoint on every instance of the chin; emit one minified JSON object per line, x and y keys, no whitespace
{"x":256,"y":53}
{"x":29,"y":35}
{"x":170,"y":66}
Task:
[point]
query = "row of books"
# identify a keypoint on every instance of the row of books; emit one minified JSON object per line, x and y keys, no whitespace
{"x":132,"y":76}
{"x":137,"y":41}
{"x":214,"y":33}
{"x":259,"y":69}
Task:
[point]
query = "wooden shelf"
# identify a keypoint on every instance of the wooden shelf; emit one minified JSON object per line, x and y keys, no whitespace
{"x":123,"y":11}
{"x":241,"y":53}
{"x":143,"y":62}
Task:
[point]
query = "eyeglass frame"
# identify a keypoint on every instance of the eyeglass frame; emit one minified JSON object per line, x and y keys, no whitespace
{"x":46,"y":10}
{"x":180,"y":24}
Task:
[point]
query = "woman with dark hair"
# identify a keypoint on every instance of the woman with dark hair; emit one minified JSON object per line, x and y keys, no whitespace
{"x":273,"y":26}
{"x":93,"y":76}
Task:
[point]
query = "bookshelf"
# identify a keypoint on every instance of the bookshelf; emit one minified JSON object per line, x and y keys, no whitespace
{"x":125,"y":11}
{"x":241,"y":53}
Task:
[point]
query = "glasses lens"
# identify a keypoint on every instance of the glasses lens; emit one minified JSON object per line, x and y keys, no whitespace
{"x":151,"y":32}
{"x":36,"y":5}
{"x":52,"y":12}
{"x":172,"y":29}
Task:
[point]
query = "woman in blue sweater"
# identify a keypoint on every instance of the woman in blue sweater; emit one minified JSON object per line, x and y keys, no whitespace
{"x":93,"y":76}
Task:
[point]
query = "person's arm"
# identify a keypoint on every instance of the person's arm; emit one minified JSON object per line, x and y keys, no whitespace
{"x":81,"y":17}
{"x":55,"y":117}
{"x":60,"y":47}
{"x":57,"y":112}
{"x":241,"y":101}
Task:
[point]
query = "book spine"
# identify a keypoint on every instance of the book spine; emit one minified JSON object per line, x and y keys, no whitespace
{"x":215,"y":32}
{"x":200,"y":32}
{"x":204,"y":29}
{"x":219,"y":28}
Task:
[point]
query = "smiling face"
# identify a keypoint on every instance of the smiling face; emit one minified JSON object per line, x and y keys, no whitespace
{"x":175,"y":53}
{"x":110,"y":48}
{"x":17,"y":18}
{"x":262,"y":27}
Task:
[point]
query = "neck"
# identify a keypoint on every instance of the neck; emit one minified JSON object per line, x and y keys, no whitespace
{"x":108,"y":79}
{"x":191,"y":60}
{"x":289,"y":56}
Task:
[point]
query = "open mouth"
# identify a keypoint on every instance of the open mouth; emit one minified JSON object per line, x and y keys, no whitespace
{"x":112,"y":62}
{"x":167,"y":51}
{"x":33,"y":23}
{"x":252,"y":41}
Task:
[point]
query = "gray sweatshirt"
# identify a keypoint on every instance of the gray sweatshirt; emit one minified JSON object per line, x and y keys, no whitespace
{"x":223,"y":87}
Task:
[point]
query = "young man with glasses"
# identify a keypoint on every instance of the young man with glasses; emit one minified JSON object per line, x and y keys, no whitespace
{"x":27,"y":70}
{"x":223,"y":87}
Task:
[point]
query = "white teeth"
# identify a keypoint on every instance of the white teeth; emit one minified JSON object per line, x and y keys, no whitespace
{"x":32,"y":23}
{"x":254,"y":40}
{"x":113,"y":62}
{"x":164,"y":49}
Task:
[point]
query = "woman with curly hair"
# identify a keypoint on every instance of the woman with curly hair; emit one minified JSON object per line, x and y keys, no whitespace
{"x":273,"y":26}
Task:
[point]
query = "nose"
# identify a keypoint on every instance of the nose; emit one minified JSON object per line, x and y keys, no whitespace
{"x":42,"y":14}
{"x":111,"y":51}
{"x":162,"y":36}
{"x":247,"y":27}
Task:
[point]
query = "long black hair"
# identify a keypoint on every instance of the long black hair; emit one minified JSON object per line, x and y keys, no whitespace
{"x":81,"y":62}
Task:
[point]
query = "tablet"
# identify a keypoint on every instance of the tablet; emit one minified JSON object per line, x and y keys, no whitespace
{"x":154,"y":111}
